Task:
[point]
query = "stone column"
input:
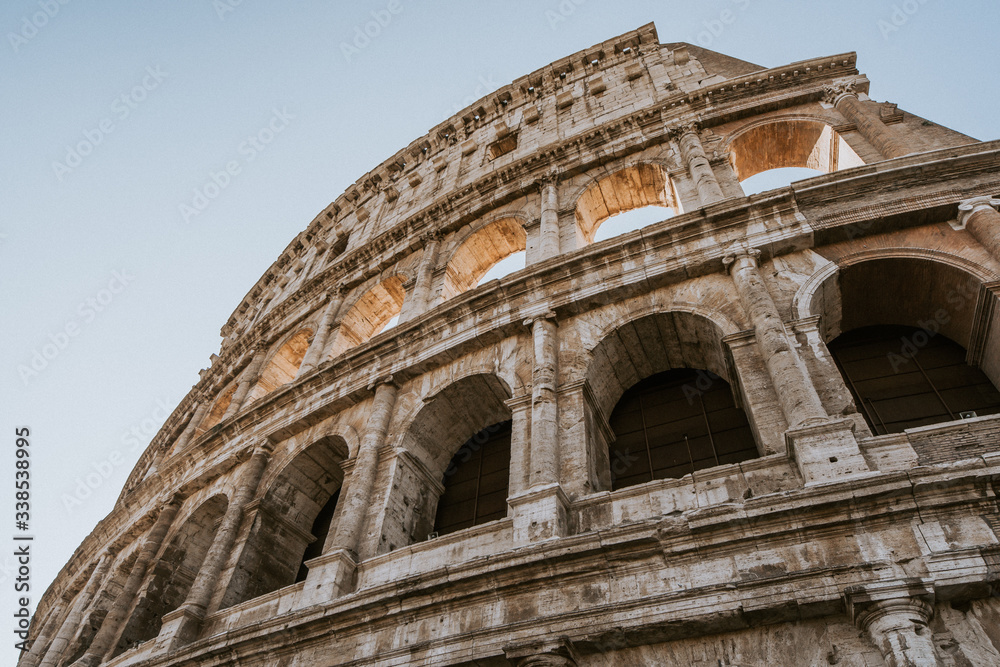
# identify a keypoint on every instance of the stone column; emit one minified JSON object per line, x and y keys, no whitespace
{"x":333,"y":573}
{"x":825,"y":449}
{"x":55,"y":651}
{"x":421,"y":297}
{"x":871,"y":127}
{"x":899,"y":629}
{"x":544,"y":403}
{"x":192,"y":426}
{"x":30,"y":657}
{"x":182,"y":625}
{"x":105,"y":639}
{"x":548,"y":243}
{"x":799,"y":400}
{"x":314,"y":355}
{"x":540,"y":513}
{"x":693,"y":154}
{"x":980,"y":217}
{"x":247,"y":381}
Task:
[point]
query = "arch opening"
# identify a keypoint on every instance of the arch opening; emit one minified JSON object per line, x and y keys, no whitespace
{"x":879,"y":338}
{"x":219,"y":408}
{"x":675,"y":367}
{"x":370,"y":315}
{"x":903,"y":377}
{"x":292,"y":522}
{"x":481,"y":252}
{"x":173,"y":574}
{"x":462,"y":435}
{"x":636,"y":187}
{"x":100,"y":606}
{"x":282,"y":366}
{"x":772,"y":155}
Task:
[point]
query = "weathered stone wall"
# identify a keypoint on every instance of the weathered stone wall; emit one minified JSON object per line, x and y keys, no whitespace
{"x":833,"y":546}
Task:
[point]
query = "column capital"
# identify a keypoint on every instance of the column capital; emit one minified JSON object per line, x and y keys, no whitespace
{"x":555,"y":652}
{"x":175,"y":498}
{"x":678,"y":130}
{"x":968,"y":207}
{"x":740,"y":254}
{"x":549,"y":178}
{"x":386,"y":380}
{"x":548,"y":315}
{"x":264,"y":448}
{"x":834,"y":93}
{"x":911,"y":607}
{"x":432,"y":236}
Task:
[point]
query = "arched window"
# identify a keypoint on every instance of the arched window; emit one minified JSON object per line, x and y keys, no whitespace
{"x":370,"y":315}
{"x":902,"y":377}
{"x":476,"y":481}
{"x":675,"y":422}
{"x":501,"y":242}
{"x":219,"y":408}
{"x":642,"y":186}
{"x":461,"y":435}
{"x":772,"y":155}
{"x":282,"y":366}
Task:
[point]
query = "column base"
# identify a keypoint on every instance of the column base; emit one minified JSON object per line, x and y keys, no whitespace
{"x":540,"y":514}
{"x":179,"y":627}
{"x":330,"y":576}
{"x":827,"y":452}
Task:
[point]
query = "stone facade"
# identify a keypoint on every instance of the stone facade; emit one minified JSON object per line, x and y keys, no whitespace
{"x":834,"y":546}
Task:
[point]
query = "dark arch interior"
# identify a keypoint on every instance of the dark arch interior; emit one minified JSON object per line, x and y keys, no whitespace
{"x":902,"y":377}
{"x":320,"y":531}
{"x":476,"y":481}
{"x":675,"y":422}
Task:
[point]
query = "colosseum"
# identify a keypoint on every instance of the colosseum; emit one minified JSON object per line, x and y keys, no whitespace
{"x":393,"y":462}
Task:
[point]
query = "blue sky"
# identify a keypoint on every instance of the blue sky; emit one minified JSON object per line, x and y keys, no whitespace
{"x":98,"y":259}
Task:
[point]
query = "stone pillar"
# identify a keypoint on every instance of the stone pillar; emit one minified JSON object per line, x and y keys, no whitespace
{"x":106,"y":638}
{"x":31,"y":657}
{"x":54,"y":653}
{"x":314,"y":355}
{"x":544,"y":402}
{"x":247,"y":381}
{"x":799,"y":400}
{"x":871,"y":127}
{"x":899,"y":629}
{"x":825,"y":449}
{"x":548,"y":244}
{"x":520,"y":443}
{"x":421,"y":297}
{"x":192,"y":426}
{"x":332,"y":574}
{"x":980,"y":217}
{"x":540,"y":513}
{"x":693,"y":154}
{"x":182,"y":625}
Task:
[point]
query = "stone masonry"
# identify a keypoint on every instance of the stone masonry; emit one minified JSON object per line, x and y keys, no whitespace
{"x":834,"y":546}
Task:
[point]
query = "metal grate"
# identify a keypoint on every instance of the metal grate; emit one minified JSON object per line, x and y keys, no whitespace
{"x":674,"y":423}
{"x":904,"y":377}
{"x":475,"y":482}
